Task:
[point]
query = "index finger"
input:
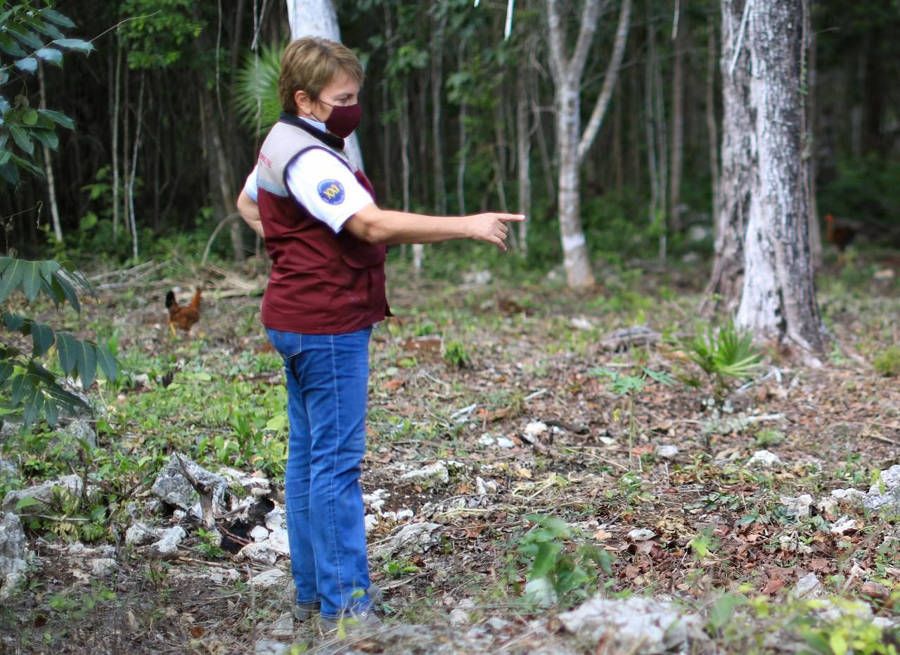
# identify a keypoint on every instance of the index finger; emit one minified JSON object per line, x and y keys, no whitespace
{"x":511,"y":218}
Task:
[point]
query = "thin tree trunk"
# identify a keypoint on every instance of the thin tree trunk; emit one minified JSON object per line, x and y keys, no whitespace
{"x":738,"y":155}
{"x":48,"y":166}
{"x":662,"y":143}
{"x":676,"y":151}
{"x":131,"y":178}
{"x":500,"y":148}
{"x":437,"y":85}
{"x":711,"y":129}
{"x":461,"y":160}
{"x":778,"y":298}
{"x":570,"y":143}
{"x":523,"y":152}
{"x":617,"y":149}
{"x":114,"y":127}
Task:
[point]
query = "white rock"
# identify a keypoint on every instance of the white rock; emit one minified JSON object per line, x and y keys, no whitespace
{"x":634,"y":625}
{"x":581,"y":323}
{"x":540,"y":591}
{"x":370,"y":521}
{"x":13,"y":554}
{"x":42,"y":494}
{"x":535,"y":429}
{"x":167,"y":546}
{"x":278,"y":541}
{"x":276,"y":520}
{"x":260,"y":552}
{"x":376,"y":499}
{"x":140,"y":534}
{"x":641,"y":534}
{"x":409,"y":539}
{"x":173,"y":488}
{"x":271,"y":647}
{"x":764,"y":459}
{"x":607,"y":441}
{"x":843,"y":525}
{"x":790,"y":543}
{"x":485,"y":488}
{"x":477,"y":278}
{"x":809,"y":586}
{"x":259,"y":533}
{"x":886,"y":492}
{"x":506,"y":444}
{"x":666,"y":451}
{"x":797,"y":507}
{"x":103,"y":566}
{"x":428,"y":476}
{"x":283,"y":627}
{"x":850,"y":496}
{"x":459,"y":617}
{"x":269,"y":578}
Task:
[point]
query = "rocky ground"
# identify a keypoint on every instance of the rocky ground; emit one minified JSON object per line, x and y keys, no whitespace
{"x":518,"y":499}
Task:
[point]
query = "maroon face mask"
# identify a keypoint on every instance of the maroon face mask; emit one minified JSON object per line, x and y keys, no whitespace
{"x":343,"y":120}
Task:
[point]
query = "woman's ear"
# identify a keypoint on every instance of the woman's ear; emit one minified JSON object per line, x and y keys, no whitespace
{"x":303,"y":102}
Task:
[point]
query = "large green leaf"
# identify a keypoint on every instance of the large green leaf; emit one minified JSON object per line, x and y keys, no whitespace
{"x":31,"y":280}
{"x":42,"y":337}
{"x":87,"y":364}
{"x":107,"y":362}
{"x":67,"y":350}
{"x":55,"y":17}
{"x":79,"y":45}
{"x":58,"y":117}
{"x":11,"y":278}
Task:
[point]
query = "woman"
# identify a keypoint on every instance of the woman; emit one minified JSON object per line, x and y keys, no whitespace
{"x":326,"y":238}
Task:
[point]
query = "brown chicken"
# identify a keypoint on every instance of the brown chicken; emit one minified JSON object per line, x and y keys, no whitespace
{"x":838,"y":233}
{"x":183,"y":316}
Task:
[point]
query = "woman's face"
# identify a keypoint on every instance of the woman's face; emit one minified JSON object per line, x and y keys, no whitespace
{"x":343,"y":91}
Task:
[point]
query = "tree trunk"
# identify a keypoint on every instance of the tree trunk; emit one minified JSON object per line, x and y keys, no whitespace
{"x":811,"y":147}
{"x":711,"y":130}
{"x":570,"y":144}
{"x":523,"y":151}
{"x":778,"y":299}
{"x":738,"y":156}
{"x":48,"y":166}
{"x":676,"y":151}
{"x":437,"y":85}
{"x":319,"y":18}
{"x":114,"y":120}
{"x":134,"y":158}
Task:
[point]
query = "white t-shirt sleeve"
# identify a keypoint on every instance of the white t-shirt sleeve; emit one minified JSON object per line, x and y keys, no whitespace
{"x":250,"y":187}
{"x":326,"y":187}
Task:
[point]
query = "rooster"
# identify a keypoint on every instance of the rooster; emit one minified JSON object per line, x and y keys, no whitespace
{"x":182,"y":316}
{"x":838,"y":233}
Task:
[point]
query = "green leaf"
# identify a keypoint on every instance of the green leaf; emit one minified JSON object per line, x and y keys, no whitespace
{"x":66,"y":290}
{"x":42,"y":337}
{"x":29,"y":117}
{"x":22,"y":139}
{"x":58,"y":117}
{"x":28,"y":38}
{"x":67,"y":348}
{"x":55,"y":17}
{"x":50,"y":55}
{"x":10,"y":46}
{"x":838,"y":643}
{"x":6,"y":370}
{"x":108,"y":363}
{"x":78,"y":45}
{"x":33,"y":406}
{"x":11,"y":278}
{"x":87,"y":363}
{"x":26,"y":502}
{"x":47,"y":138}
{"x":31,"y":280}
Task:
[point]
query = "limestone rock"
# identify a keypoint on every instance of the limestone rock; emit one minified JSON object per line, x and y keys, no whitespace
{"x":167,"y":546}
{"x":409,"y":539}
{"x":13,"y":553}
{"x":43,"y":494}
{"x":634,"y":625}
{"x":172,"y":487}
{"x":764,"y":459}
{"x":885,"y":494}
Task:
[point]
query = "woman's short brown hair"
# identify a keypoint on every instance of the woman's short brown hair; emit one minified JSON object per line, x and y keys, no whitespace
{"x":310,"y":64}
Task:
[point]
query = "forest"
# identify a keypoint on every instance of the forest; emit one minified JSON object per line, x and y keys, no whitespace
{"x":666,"y":419}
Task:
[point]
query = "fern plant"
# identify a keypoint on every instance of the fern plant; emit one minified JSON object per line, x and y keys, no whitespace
{"x":256,"y":89}
{"x":725,"y":354}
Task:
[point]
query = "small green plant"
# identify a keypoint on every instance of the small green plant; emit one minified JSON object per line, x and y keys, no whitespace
{"x":560,"y":571}
{"x":628,"y":386}
{"x":725,"y":355}
{"x":887,"y":362}
{"x":456,"y":355}
{"x":851,"y":632}
{"x":397,"y":568}
{"x":768,"y":437}
{"x":209,"y":544}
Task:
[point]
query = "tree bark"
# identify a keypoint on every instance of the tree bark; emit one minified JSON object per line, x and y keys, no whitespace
{"x":811,"y":147}
{"x":738,"y":157}
{"x":523,"y":153}
{"x":778,"y":297}
{"x":711,"y":129}
{"x":48,"y":166}
{"x":676,"y":151}
{"x":437,"y":85}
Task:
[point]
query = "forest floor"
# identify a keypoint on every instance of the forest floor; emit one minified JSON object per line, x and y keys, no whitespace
{"x":538,"y":431}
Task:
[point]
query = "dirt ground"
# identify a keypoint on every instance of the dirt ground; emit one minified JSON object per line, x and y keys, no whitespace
{"x":534,"y":353}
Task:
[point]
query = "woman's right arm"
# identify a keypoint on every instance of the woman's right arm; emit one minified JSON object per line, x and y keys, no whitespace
{"x":249,"y":211}
{"x":389,"y":227}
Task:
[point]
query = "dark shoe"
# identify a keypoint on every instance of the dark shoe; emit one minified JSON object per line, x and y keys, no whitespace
{"x":305,"y":611}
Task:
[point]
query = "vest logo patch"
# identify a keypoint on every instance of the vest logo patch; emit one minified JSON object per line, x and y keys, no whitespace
{"x":331,"y":191}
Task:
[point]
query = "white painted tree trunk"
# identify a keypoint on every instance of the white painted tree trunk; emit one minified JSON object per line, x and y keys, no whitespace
{"x":570,"y":143}
{"x":778,"y":296}
{"x":738,"y":160}
{"x":319,"y":18}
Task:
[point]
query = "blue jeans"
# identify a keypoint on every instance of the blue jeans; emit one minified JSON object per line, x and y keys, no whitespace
{"x":327,"y":383}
